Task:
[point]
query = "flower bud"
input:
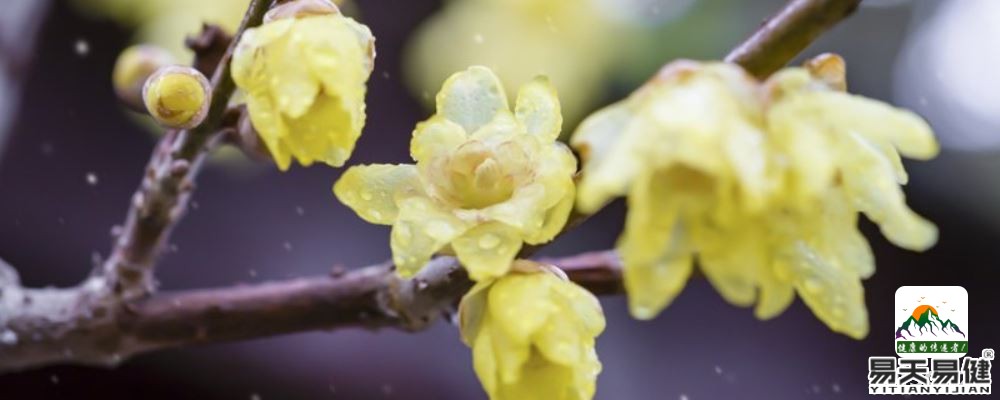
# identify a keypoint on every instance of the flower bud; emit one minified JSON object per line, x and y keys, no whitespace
{"x":133,"y":67}
{"x":177,"y":97}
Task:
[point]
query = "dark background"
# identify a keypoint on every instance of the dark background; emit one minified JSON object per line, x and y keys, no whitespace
{"x":252,"y":223}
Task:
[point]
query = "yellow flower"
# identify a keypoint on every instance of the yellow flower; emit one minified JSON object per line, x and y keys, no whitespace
{"x":532,"y":335}
{"x":486,"y":179}
{"x":304,"y":74}
{"x":762,"y":182}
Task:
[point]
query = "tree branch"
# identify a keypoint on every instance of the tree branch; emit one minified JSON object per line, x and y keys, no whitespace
{"x":110,"y":316}
{"x":787,"y":33}
{"x":162,"y":197}
{"x":104,"y":333}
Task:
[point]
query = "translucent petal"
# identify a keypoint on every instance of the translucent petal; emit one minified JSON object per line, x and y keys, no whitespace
{"x":732,"y":260}
{"x":487,"y":250}
{"x":842,"y":113}
{"x":484,"y":361}
{"x":511,"y":354}
{"x":436,"y":136}
{"x":325,"y":133}
{"x":585,"y":306}
{"x":775,"y":296}
{"x":746,"y":150}
{"x":537,"y":108}
{"x":608,"y":149}
{"x":472,"y":312}
{"x":472,"y":98}
{"x":657,"y":264}
{"x":293,"y":86}
{"x":421,"y":229}
{"x":373,"y":190}
{"x":834,"y":295}
{"x":870,"y":183}
{"x":271,"y":128}
{"x":541,"y":380}
{"x":560,"y":340}
{"x":521,"y":304}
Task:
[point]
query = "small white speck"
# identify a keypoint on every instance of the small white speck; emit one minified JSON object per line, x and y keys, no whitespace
{"x":815,"y":389}
{"x":478,"y":38}
{"x":81,"y":47}
{"x":287,"y":246}
{"x":835,"y":387}
{"x":718,"y":370}
{"x":254,"y":396}
{"x":387,"y":389}
{"x":300,"y":211}
{"x":8,"y":338}
{"x":252,"y":273}
{"x":385,"y":74}
{"x":91,"y":178}
{"x":683,"y":397}
{"x":54,"y":379}
{"x":195,"y":205}
{"x":173,"y":248}
{"x":47,"y":149}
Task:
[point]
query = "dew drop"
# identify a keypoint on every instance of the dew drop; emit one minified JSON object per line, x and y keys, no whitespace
{"x":91,"y":178}
{"x":489,"y":241}
{"x":813,"y":286}
{"x":478,"y":38}
{"x":366,"y":195}
{"x":375,"y":214}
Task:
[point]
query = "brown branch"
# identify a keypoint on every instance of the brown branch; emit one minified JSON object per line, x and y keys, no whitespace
{"x":162,"y":197}
{"x":371,"y":297}
{"x":109,"y":317}
{"x":787,"y":33}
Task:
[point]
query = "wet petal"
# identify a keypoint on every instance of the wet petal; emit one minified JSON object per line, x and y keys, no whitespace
{"x":521,"y":304}
{"x":373,"y":190}
{"x":421,"y":230}
{"x":472,"y":98}
{"x":537,"y":108}
{"x":487,"y":250}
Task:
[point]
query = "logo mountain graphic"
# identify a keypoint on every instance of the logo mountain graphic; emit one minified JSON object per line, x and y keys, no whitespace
{"x":925,"y":320}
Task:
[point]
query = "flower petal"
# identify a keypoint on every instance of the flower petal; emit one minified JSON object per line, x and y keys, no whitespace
{"x":373,"y":190}
{"x":521,"y":304}
{"x":537,"y":108}
{"x":487,"y":250}
{"x":435,"y":136}
{"x":657,"y":263}
{"x":421,"y":229}
{"x":472,"y":98}
{"x":833,"y":294}
{"x":870,"y":182}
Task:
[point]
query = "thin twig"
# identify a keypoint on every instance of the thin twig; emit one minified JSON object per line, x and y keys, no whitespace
{"x":787,"y":33}
{"x":162,"y":197}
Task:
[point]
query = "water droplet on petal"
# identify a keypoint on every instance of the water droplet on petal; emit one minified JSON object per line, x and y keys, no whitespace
{"x":489,"y":241}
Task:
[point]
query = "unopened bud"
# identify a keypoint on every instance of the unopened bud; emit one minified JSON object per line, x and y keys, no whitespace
{"x":829,"y":68}
{"x":301,"y":8}
{"x":133,"y":67}
{"x":177,"y":97}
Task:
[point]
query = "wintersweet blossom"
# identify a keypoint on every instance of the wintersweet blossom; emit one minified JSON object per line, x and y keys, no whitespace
{"x":761,"y":182}
{"x":532,"y":335}
{"x":486,"y":179}
{"x":303,"y":73}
